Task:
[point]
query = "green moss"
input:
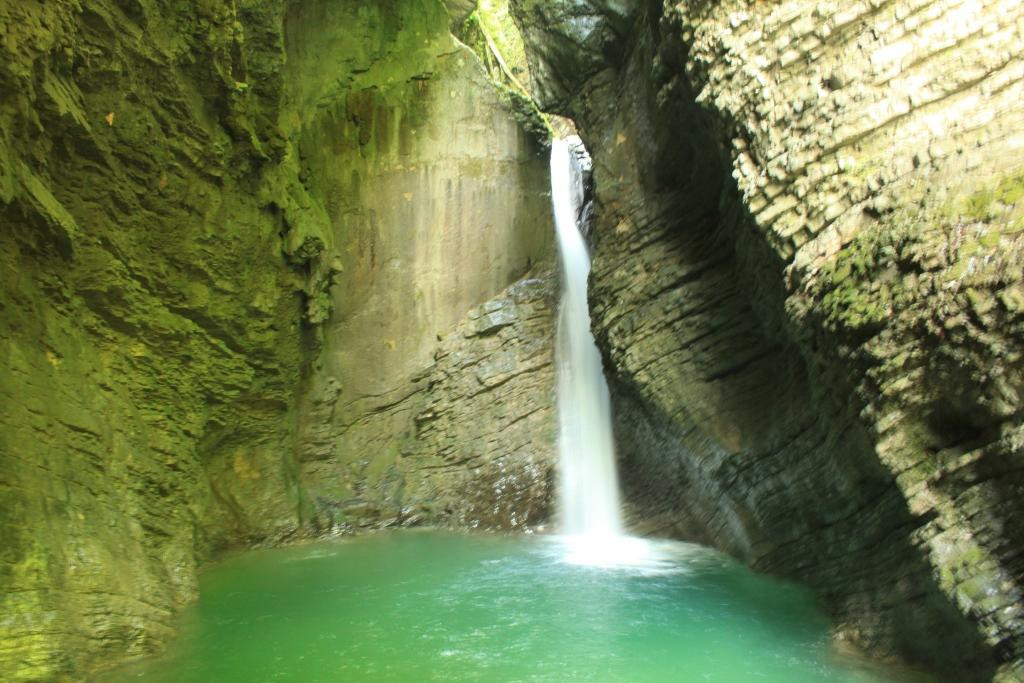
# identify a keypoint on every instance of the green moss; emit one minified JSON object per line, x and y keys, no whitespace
{"x":852,"y":294}
{"x":1012,"y":299}
{"x":981,"y":205}
{"x":841,"y":273}
{"x":152,"y":343}
{"x":981,"y":302}
{"x":496,"y":19}
{"x":527,"y":114}
{"x":989,"y":203}
{"x":856,"y":300}
{"x":472,"y":35}
{"x":492,"y":20}
{"x":959,"y":269}
{"x":397,"y":42}
{"x":990,"y":238}
{"x":1010,"y":190}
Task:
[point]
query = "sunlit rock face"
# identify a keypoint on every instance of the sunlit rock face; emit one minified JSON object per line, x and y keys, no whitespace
{"x":466,"y":441}
{"x":202,"y":206}
{"x":150,"y":328}
{"x":807,"y":285}
{"x":436,"y":201}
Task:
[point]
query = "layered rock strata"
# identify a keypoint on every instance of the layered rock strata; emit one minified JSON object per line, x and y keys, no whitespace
{"x":436,"y":201}
{"x":466,"y":441}
{"x":196,"y":200}
{"x":807,"y":285}
{"x":151,"y":331}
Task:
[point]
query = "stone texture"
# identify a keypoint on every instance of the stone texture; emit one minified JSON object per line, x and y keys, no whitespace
{"x":459,"y":10}
{"x":568,"y":41}
{"x":436,"y":200}
{"x":467,"y":441}
{"x":150,"y":329}
{"x":181,"y":211}
{"x":807,"y":252}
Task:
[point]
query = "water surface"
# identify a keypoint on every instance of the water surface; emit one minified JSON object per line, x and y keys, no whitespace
{"x":431,"y":606}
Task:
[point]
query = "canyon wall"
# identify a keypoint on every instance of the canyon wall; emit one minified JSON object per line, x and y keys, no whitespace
{"x":436,"y":200}
{"x":205,"y":206}
{"x":151,"y":331}
{"x":807,"y":286}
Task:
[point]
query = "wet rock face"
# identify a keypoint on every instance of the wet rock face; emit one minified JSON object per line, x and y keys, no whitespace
{"x":187,"y":214}
{"x":807,"y":261}
{"x":459,"y":10}
{"x":468,"y":441}
{"x":435,"y":200}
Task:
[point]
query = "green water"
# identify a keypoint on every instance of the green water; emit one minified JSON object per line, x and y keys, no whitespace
{"x":430,"y":606}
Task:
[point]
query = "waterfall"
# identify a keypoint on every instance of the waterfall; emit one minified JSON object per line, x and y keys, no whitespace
{"x":588,"y":483}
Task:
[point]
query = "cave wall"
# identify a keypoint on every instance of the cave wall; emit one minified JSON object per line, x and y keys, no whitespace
{"x":186,"y":236}
{"x":806,"y":284}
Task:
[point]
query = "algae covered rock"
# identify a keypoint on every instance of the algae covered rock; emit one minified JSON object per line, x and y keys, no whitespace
{"x":187,"y":206}
{"x":459,"y":10}
{"x":151,"y":330}
{"x":423,"y":230}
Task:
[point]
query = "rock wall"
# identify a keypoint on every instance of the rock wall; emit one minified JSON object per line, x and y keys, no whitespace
{"x":150,"y":329}
{"x":467,"y":441}
{"x":807,"y":283}
{"x":436,"y":200}
{"x":187,"y":192}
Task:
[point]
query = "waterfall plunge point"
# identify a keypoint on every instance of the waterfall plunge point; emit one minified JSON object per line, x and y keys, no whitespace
{"x":588,"y":492}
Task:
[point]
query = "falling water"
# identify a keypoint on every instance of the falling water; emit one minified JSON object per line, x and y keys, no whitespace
{"x":588,"y":487}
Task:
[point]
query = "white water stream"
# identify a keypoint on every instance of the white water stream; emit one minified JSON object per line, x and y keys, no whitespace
{"x":589,"y":507}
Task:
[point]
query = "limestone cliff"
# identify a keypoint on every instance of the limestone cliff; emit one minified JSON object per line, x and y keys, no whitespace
{"x":422,"y":230}
{"x":807,"y":285}
{"x":214,"y":215}
{"x":151,"y":331}
{"x":467,"y":440}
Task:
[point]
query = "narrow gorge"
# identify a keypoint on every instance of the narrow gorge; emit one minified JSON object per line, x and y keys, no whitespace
{"x":807,"y":283}
{"x":284,"y":272}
